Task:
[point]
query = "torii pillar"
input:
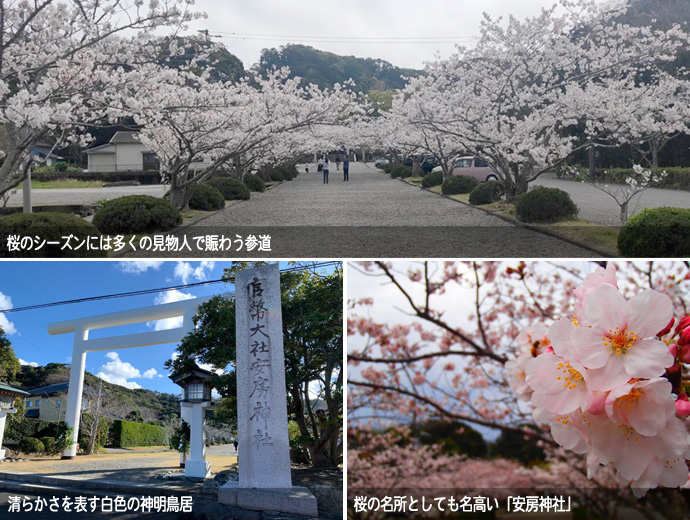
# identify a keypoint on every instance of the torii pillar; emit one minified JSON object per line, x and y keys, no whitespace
{"x":185,"y":309}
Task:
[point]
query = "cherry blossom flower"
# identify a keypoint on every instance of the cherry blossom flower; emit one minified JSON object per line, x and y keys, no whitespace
{"x":643,"y":405}
{"x":618,"y":337}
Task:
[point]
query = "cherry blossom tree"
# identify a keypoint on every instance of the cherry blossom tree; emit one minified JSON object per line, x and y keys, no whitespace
{"x":517,"y":97}
{"x":196,"y":126}
{"x":571,"y":354}
{"x":55,"y":55}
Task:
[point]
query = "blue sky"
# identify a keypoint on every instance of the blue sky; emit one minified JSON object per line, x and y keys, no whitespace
{"x":31,"y":282}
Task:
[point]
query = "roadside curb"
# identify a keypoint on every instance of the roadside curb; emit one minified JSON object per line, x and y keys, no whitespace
{"x":515,"y":222}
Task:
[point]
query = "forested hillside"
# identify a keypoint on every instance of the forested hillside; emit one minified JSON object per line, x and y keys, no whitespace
{"x":325,"y":68}
{"x":118,"y":401}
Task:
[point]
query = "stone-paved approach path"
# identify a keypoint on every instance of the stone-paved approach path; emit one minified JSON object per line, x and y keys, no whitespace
{"x":370,"y":216}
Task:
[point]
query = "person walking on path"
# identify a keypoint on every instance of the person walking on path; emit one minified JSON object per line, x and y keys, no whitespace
{"x":337,"y":162}
{"x":346,"y":169}
{"x":325,"y":171}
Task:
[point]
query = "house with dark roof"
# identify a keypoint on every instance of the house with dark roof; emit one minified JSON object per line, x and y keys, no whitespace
{"x":42,"y":153}
{"x":50,"y":402}
{"x":124,"y":153}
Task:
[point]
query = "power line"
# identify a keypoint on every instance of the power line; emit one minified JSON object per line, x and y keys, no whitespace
{"x":346,"y":39}
{"x":315,"y":265}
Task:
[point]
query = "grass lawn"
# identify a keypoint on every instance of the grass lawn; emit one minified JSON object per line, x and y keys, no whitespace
{"x":603,"y":238}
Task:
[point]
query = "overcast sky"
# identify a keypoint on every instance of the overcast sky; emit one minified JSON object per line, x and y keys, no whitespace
{"x":383,"y":27}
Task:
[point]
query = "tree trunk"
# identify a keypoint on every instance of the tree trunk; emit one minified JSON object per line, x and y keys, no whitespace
{"x":592,"y":163}
{"x":178,"y":194}
{"x":624,"y":213}
{"x":655,"y":154}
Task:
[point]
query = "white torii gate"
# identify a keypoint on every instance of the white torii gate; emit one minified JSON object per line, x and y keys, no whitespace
{"x":81,"y":327}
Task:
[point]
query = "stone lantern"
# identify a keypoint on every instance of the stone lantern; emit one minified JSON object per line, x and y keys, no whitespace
{"x":196,"y":398}
{"x":7,"y":396}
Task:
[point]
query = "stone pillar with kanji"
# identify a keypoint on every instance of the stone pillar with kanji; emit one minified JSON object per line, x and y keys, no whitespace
{"x":265,"y":481}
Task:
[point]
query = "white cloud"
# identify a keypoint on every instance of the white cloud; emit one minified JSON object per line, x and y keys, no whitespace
{"x":28,"y":363}
{"x":139,"y":267}
{"x":211,"y":368}
{"x":169,"y":297}
{"x":119,"y":372}
{"x":150,"y":373}
{"x":184,"y":271}
{"x":5,"y":324}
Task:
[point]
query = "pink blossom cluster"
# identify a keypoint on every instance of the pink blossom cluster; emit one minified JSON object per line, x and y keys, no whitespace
{"x":609,"y":382}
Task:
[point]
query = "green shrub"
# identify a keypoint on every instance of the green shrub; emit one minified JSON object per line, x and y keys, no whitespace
{"x":406,"y":172}
{"x":206,"y":198}
{"x":388,"y":168}
{"x":458,"y":184}
{"x":397,"y":171}
{"x":432,"y":179}
{"x":254,"y":182}
{"x":127,"y":434}
{"x":289,"y":172}
{"x":136,"y":214}
{"x":545,"y":205}
{"x":61,"y":166}
{"x":659,"y":232}
{"x":486,"y":193}
{"x":232,"y":189}
{"x":31,"y":445}
{"x":48,"y":444}
{"x":277,"y":176}
{"x":51,"y":227}
{"x":17,"y":428}
{"x":41,"y":170}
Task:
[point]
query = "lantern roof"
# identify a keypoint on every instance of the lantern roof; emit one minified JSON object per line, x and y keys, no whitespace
{"x":194,"y":374}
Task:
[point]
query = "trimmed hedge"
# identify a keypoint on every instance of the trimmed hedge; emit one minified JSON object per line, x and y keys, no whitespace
{"x":51,"y":227}
{"x":432,"y":179}
{"x":659,"y":232}
{"x":136,"y":214}
{"x":459,"y":184}
{"x":31,"y":445}
{"x":545,"y":205}
{"x":49,"y":445}
{"x":397,"y":170}
{"x":254,"y":182}
{"x":143,"y":177}
{"x":206,"y":198}
{"x":486,"y":193}
{"x":127,"y":434}
{"x":232,"y":189}
{"x":277,"y":176}
{"x":17,"y":429}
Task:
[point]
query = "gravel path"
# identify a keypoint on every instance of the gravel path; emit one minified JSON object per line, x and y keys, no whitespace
{"x":370,"y":216}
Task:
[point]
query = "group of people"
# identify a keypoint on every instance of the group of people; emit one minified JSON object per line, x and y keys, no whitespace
{"x":323,"y":167}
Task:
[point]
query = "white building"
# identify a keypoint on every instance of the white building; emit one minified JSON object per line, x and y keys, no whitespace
{"x":124,"y":153}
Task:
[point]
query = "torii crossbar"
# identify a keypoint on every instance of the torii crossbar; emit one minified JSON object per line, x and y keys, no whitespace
{"x":185,"y":309}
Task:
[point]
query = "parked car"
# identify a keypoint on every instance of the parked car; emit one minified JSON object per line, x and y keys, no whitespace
{"x":380,"y":162}
{"x":472,"y":167}
{"x":428,"y":163}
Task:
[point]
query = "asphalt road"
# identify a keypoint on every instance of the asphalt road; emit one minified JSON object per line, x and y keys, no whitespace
{"x":597,"y":206}
{"x":82,"y":196}
{"x":371,"y":216}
